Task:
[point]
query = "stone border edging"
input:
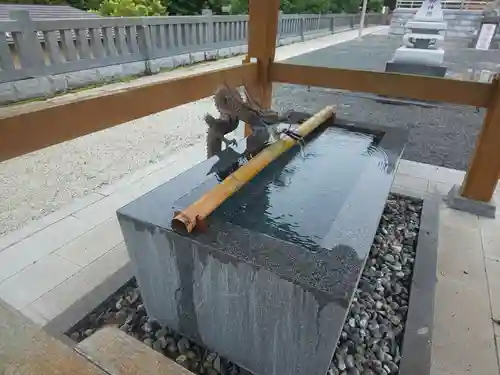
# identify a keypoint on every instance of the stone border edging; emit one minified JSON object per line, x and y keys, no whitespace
{"x":84,"y":306}
{"x":417,"y":341}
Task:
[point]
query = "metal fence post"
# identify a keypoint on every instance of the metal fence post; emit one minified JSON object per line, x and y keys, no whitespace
{"x":30,"y":50}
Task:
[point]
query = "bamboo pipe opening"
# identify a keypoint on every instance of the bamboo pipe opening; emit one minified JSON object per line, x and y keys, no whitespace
{"x":186,"y":220}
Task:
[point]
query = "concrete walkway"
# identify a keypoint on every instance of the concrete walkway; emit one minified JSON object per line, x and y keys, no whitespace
{"x":467,"y":300}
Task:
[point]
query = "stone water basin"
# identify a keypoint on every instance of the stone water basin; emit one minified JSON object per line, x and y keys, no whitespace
{"x":269,"y":283}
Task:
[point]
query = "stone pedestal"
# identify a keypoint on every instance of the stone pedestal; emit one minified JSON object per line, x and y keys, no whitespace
{"x":269,"y":282}
{"x":421,"y":53}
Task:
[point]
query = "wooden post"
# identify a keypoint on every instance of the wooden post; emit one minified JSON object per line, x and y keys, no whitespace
{"x":482,"y":176}
{"x":262,"y":31}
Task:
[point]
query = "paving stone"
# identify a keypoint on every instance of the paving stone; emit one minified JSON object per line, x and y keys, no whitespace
{"x":493,"y":272}
{"x":490,"y":235}
{"x":32,"y":249}
{"x":45,"y":221}
{"x":408,"y":181}
{"x":36,"y":280}
{"x":60,"y":298}
{"x":93,"y":244}
{"x":463,"y":333}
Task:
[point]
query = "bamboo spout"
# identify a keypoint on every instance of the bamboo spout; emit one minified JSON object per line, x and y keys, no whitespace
{"x":196,"y":213}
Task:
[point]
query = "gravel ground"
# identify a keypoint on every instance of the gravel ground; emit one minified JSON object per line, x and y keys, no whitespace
{"x":443,"y":136}
{"x":41,"y":182}
{"x":371,"y":339}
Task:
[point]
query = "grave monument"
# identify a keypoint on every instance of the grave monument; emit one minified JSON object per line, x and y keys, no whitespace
{"x":421,"y":52}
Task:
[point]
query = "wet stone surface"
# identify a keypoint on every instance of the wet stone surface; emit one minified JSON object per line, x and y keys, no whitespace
{"x":372,"y":335}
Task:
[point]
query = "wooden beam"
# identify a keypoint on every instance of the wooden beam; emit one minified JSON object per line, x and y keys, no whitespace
{"x":390,"y":84}
{"x":33,"y":126}
{"x":262,"y":30}
{"x":482,"y":176}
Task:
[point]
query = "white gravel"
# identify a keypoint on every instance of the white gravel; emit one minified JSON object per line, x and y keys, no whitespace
{"x":41,"y":182}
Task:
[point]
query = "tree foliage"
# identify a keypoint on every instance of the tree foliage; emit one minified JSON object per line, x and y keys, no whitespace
{"x":189,"y":7}
{"x":130,"y":8}
{"x":314,"y":6}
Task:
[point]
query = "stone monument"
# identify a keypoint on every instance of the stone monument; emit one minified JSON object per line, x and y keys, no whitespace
{"x":267,"y":284}
{"x":420,"y":53}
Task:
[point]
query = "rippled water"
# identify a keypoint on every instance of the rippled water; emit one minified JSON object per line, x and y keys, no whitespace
{"x":298,"y":197}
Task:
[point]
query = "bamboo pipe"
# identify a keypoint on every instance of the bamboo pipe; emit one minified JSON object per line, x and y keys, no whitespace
{"x":185,"y":221}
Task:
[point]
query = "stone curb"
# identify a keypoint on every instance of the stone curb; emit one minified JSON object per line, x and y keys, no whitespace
{"x":417,"y":341}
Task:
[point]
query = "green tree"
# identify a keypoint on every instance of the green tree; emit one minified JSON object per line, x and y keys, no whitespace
{"x":130,"y":8}
{"x":186,"y":7}
{"x":374,"y":5}
{"x":239,"y":6}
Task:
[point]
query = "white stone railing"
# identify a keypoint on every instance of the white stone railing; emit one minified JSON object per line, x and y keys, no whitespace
{"x":31,"y":48}
{"x":446,"y":4}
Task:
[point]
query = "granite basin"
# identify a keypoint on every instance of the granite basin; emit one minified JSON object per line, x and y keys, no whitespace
{"x":270,"y":280}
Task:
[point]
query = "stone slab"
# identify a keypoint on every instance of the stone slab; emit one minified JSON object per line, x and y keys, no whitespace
{"x":419,"y":56}
{"x":417,"y":341}
{"x":456,"y":201}
{"x":424,"y":25}
{"x":269,"y":283}
{"x":419,"y":69}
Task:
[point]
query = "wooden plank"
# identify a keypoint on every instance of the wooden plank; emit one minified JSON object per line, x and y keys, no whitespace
{"x":482,"y":175}
{"x":120,"y":354}
{"x":59,"y":121}
{"x":26,"y":349}
{"x":263,"y":27}
{"x":390,"y":84}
